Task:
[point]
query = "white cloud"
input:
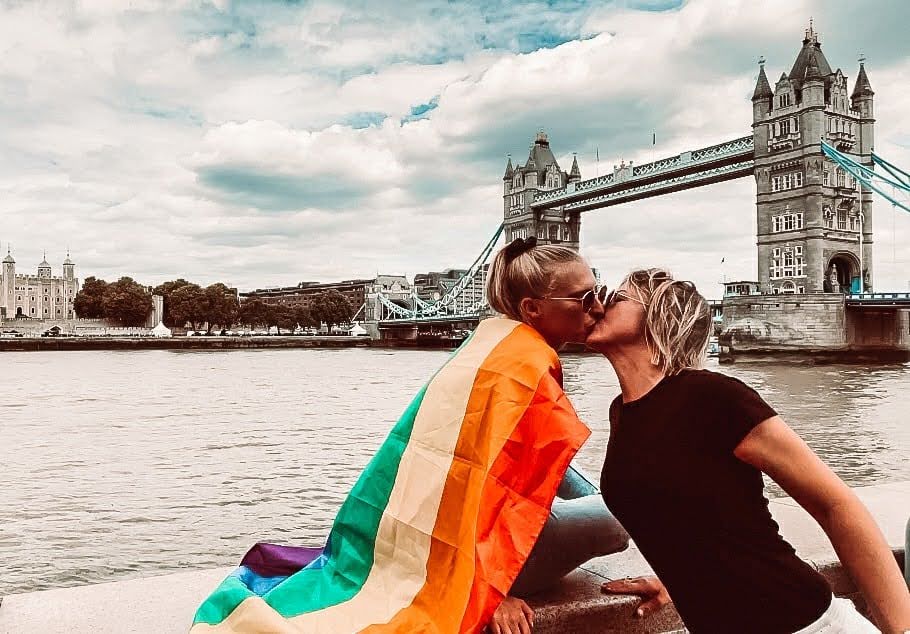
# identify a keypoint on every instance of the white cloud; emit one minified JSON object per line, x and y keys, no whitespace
{"x":260,"y":147}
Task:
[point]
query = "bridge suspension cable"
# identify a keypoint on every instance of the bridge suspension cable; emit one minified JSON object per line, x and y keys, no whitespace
{"x":447,"y":305}
{"x":896,"y":178}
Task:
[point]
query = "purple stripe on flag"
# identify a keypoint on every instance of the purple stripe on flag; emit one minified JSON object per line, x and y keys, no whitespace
{"x":274,"y":560}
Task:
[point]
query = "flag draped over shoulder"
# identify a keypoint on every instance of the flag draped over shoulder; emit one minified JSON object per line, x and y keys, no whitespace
{"x":442,"y":519}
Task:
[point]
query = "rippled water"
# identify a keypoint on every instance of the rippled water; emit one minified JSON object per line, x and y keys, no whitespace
{"x":122,"y":464}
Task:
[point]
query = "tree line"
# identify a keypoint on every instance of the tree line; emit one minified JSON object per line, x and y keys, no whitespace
{"x":213,"y":307}
{"x":329,"y":307}
{"x":125,"y":301}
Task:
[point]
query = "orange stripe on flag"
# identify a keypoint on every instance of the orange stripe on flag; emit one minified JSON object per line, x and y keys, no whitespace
{"x":518,"y":494}
{"x":504,"y":412}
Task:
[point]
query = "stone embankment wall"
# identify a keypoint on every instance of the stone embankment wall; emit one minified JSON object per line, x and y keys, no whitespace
{"x":31,"y":327}
{"x":24,"y":344}
{"x":812,"y":327}
{"x":795,"y":322}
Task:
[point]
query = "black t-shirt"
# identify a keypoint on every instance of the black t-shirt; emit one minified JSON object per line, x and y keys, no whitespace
{"x":698,"y":514}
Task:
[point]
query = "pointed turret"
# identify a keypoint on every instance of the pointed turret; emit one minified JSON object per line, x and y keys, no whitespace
{"x":812,"y":71}
{"x":810,"y":55}
{"x":762,"y":87}
{"x":44,"y":269}
{"x":862,"y":88}
{"x":574,"y":173}
{"x":69,"y":268}
{"x":509,"y":171}
{"x":9,"y":257}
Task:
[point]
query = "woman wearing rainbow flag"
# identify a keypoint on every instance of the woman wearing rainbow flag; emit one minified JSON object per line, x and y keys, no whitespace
{"x":442,"y":521}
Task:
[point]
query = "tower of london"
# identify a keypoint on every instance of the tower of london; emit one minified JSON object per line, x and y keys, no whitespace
{"x":40,"y":295}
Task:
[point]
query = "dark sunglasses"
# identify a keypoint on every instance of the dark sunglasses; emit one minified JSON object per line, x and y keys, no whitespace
{"x":598,"y":293}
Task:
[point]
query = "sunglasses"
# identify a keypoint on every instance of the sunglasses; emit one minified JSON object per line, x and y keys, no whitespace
{"x":598,"y":293}
{"x":617,"y":295}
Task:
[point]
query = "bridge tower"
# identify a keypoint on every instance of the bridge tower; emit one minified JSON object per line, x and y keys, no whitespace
{"x":814,"y":221}
{"x":521,"y":183}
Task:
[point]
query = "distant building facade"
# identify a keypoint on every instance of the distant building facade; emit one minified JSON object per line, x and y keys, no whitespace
{"x":40,"y":295}
{"x":433,"y":286}
{"x":356,"y":292}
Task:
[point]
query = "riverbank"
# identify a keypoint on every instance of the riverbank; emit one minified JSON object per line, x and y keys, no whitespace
{"x":166,"y":603}
{"x":36,"y":344}
{"x":814,"y":356}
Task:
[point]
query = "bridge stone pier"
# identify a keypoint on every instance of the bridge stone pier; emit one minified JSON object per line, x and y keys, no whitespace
{"x":831,"y":327}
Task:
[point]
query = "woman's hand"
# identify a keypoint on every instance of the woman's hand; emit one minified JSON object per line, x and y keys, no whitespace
{"x":513,"y":616}
{"x":653,"y":594}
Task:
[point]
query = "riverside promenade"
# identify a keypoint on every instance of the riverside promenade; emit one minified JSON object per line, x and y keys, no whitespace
{"x":165,"y":604}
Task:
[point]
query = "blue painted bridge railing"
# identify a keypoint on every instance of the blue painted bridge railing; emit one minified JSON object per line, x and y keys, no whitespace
{"x":889,"y":299}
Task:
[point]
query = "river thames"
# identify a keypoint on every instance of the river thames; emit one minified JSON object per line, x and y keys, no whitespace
{"x":125,"y":464}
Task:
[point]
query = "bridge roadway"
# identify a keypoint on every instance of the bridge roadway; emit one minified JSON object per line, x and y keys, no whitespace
{"x":717,"y":163}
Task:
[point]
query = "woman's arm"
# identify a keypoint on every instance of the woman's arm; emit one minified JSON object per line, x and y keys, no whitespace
{"x":777,"y":450}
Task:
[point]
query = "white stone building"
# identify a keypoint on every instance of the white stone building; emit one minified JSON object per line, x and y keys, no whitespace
{"x":37,"y":296}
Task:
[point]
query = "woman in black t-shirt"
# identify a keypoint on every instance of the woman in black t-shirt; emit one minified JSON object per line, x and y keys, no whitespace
{"x":683,"y":473}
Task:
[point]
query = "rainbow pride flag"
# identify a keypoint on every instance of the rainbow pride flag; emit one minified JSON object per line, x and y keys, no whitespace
{"x":442,"y":519}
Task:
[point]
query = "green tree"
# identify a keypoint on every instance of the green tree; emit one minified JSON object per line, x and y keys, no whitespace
{"x":87,"y":302}
{"x":304,"y":317}
{"x":269,"y":315}
{"x":188,"y":306}
{"x":253,"y":313}
{"x":285,"y":317}
{"x":332,"y":308}
{"x":221,"y":306}
{"x":166,"y":290}
{"x":127,"y":302}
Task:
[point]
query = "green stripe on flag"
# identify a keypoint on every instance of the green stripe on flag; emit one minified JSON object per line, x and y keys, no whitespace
{"x":350,"y":545}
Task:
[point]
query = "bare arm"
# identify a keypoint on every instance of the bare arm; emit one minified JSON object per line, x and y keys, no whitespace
{"x":777,"y":450}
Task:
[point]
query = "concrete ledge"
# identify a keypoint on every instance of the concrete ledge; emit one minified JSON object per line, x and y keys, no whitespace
{"x":166,"y":604}
{"x":578,"y":606}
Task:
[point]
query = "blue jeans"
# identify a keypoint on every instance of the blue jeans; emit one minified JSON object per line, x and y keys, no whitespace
{"x":580,"y":528}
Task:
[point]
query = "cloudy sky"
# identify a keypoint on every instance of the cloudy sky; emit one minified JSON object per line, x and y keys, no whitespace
{"x":264,"y":143}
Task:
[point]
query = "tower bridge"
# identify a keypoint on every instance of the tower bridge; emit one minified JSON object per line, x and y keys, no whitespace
{"x":810,"y":152}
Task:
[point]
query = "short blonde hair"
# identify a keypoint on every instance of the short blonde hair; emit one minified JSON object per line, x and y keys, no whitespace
{"x":527,"y":274}
{"x":677,"y":321}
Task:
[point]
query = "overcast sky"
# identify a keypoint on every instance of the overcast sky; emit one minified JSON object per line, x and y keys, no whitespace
{"x":265,"y":143}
